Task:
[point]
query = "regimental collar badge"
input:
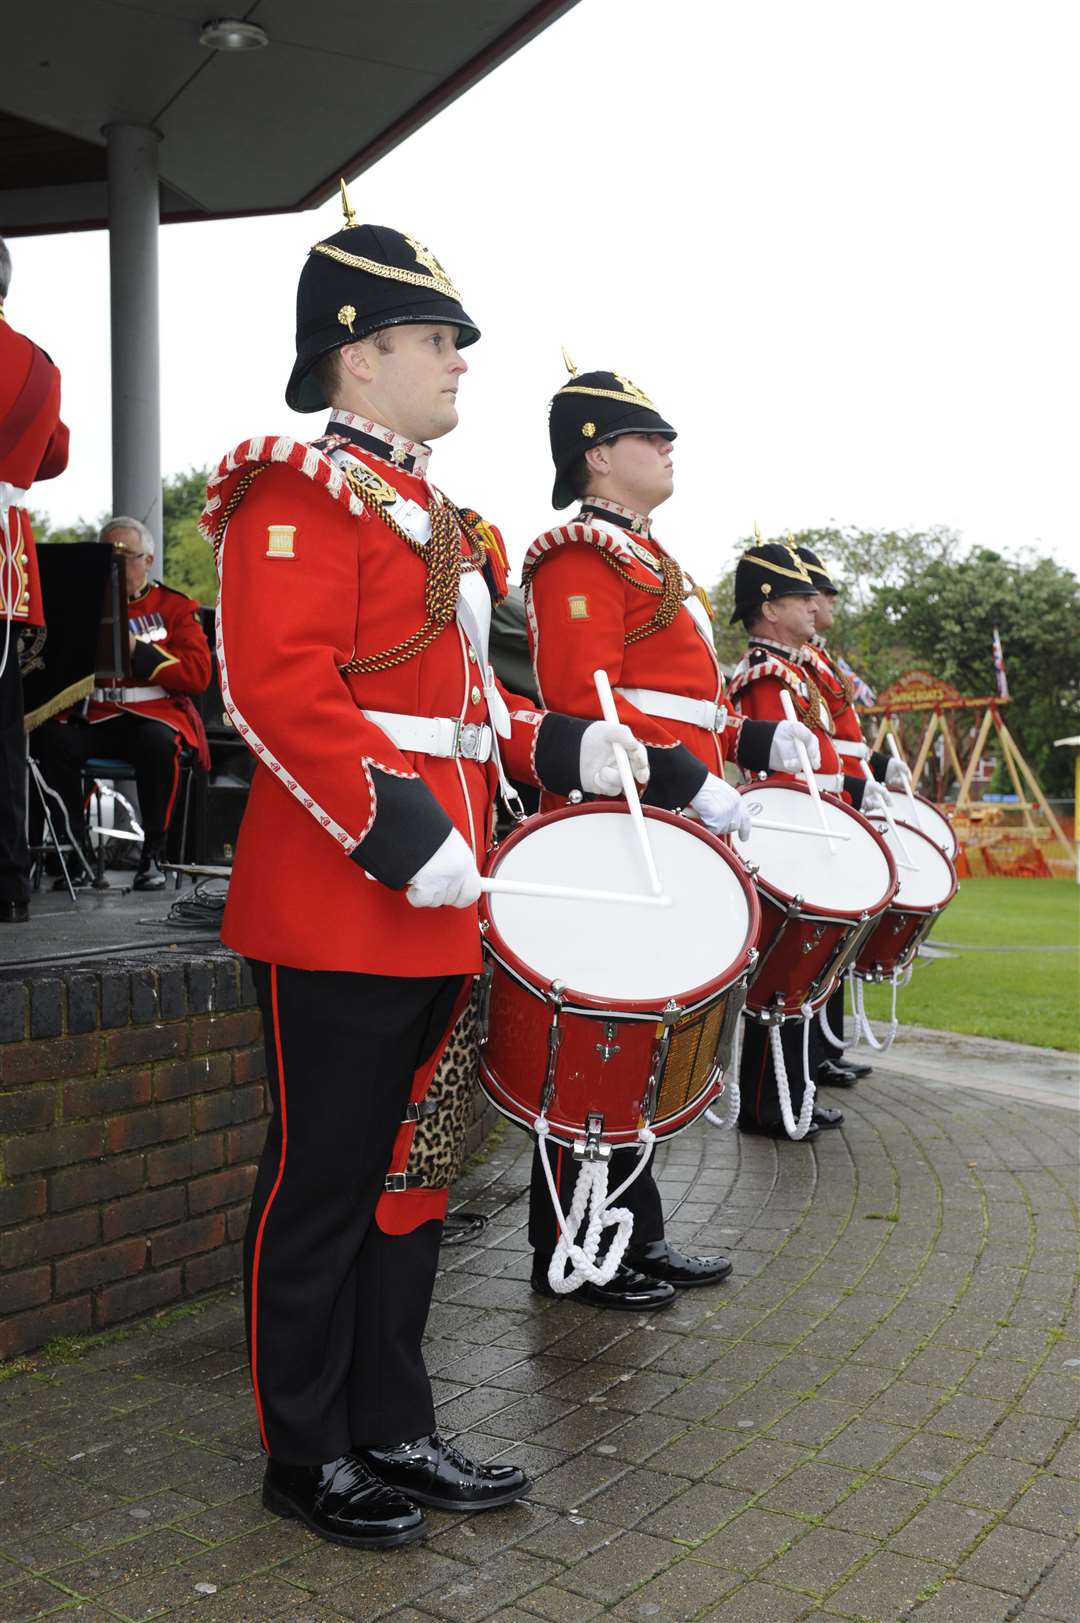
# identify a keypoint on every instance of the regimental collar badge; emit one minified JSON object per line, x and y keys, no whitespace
{"x":624,"y":517}
{"x":410,"y":455}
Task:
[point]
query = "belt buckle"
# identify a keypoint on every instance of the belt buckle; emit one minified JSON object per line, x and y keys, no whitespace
{"x":467,"y":740}
{"x":395,"y":1183}
{"x":719,"y":721}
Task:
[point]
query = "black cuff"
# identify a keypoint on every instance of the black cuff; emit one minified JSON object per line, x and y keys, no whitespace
{"x":755,"y":743}
{"x":409,"y":827}
{"x":855,"y":787}
{"x":145,"y":659}
{"x":675,"y":776}
{"x":879,"y":764}
{"x":558,"y":752}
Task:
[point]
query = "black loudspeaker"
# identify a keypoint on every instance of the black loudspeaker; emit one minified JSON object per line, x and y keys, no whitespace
{"x":210,"y":705}
{"x":220,"y":799}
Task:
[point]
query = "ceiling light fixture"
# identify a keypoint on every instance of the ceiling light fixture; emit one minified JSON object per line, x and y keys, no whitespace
{"x":229,"y":34}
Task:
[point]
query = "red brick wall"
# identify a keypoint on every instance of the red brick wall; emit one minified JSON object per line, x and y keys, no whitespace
{"x":132,"y":1112}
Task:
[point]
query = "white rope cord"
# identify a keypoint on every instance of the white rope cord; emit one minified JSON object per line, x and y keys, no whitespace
{"x":591,"y":1195}
{"x":794,"y":1129}
{"x":730,"y":1119}
{"x":863,"y":1028}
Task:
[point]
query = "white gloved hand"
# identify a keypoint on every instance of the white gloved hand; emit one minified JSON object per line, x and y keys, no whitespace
{"x":783,"y":756}
{"x":721,"y":808}
{"x":876,"y":799}
{"x":897,"y":774}
{"x":597,"y":766}
{"x":450,"y":878}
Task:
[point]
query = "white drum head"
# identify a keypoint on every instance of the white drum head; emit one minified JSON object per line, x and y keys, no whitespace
{"x":854,"y":877}
{"x":927,"y":879}
{"x":925,"y":816}
{"x":616,"y":949}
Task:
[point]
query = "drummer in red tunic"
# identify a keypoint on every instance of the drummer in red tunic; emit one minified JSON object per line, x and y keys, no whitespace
{"x":774,"y":597}
{"x":33,"y":446}
{"x":602,"y":592}
{"x":352,"y":641}
{"x":836,"y":688}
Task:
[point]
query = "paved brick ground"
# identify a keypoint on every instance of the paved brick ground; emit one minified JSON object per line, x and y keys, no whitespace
{"x":875,"y":1419}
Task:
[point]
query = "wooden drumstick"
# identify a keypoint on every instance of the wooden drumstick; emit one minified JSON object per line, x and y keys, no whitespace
{"x":808,"y":771}
{"x":890,"y":819}
{"x":637,"y":816}
{"x":909,"y":789}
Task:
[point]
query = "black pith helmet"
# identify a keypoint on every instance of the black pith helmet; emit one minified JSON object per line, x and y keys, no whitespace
{"x":361,"y":279}
{"x":767,"y":571}
{"x":592,"y":407}
{"x":817,"y":572}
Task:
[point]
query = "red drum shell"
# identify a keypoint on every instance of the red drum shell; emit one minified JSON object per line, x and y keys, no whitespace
{"x":803,"y":955}
{"x":517,"y":1025}
{"x":903,"y":926}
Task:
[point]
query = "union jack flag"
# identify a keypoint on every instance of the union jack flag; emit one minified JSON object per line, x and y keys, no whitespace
{"x":999,"y":667}
{"x":862,"y":692}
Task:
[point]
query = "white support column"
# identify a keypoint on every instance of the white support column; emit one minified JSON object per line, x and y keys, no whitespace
{"x":133,"y":272}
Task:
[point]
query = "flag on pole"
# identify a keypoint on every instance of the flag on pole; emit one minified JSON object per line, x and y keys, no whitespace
{"x":999,"y":667}
{"x":862,"y":692}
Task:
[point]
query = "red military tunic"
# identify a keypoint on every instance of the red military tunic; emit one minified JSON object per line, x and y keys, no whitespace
{"x":769,"y":669}
{"x":313,"y":581}
{"x":171,"y":660}
{"x":836,"y":689}
{"x":593,"y":590}
{"x":33,"y":446}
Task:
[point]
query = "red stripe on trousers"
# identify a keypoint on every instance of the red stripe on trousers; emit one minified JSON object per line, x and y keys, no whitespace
{"x":266,"y":1210}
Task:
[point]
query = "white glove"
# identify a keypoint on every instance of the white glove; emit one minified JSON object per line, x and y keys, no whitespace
{"x":448,"y":879}
{"x":721,"y":808}
{"x":897,"y":774}
{"x":876,"y":799}
{"x":783,"y":756}
{"x":597,"y":767}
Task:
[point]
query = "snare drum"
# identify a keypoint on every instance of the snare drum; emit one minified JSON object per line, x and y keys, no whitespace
{"x":926,"y":885}
{"x":818,"y":904}
{"x":610,"y":1017}
{"x":926,"y":817}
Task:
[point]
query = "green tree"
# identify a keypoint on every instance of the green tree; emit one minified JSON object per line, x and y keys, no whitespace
{"x":189,"y":560}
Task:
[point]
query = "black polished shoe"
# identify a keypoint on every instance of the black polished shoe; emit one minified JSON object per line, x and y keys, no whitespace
{"x":343,"y":1502}
{"x":436,"y":1473}
{"x":660,"y":1260}
{"x":629,"y":1290}
{"x":854,"y":1066}
{"x":830,"y":1074}
{"x":827,"y":1118}
{"x":14,"y":912}
{"x":148,"y":875}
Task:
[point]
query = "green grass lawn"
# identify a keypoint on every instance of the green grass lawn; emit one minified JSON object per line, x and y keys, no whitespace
{"x":1026,"y":996}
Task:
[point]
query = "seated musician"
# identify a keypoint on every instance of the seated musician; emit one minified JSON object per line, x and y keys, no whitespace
{"x":601,"y":591}
{"x":147,"y":721}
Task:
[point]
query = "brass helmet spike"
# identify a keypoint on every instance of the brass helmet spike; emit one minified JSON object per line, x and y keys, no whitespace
{"x":758,"y":538}
{"x":568,"y":363}
{"x":346,"y":206}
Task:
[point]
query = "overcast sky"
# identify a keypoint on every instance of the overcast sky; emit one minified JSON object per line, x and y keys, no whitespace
{"x":835,"y":241}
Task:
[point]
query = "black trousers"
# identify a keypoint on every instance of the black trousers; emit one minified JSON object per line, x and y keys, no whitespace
{"x":642,"y":1199}
{"x":757,"y":1076}
{"x":61,"y":749}
{"x":336,"y":1308}
{"x":14,"y":855}
{"x":834,"y":1014}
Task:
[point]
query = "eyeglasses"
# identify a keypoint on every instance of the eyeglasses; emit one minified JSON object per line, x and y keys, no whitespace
{"x":129,"y":552}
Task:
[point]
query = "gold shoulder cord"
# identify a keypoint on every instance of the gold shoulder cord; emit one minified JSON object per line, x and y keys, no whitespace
{"x":814,"y":714}
{"x":670,"y":593}
{"x":240,"y":490}
{"x":445,"y":566}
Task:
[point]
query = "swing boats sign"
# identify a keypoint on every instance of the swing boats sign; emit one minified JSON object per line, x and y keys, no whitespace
{"x":919,"y":690}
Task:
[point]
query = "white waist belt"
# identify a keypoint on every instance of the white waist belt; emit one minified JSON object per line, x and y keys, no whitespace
{"x":843,"y":746}
{"x":832,"y":782}
{"x":674,"y":707}
{"x":127,"y":695}
{"x":435,"y":735}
